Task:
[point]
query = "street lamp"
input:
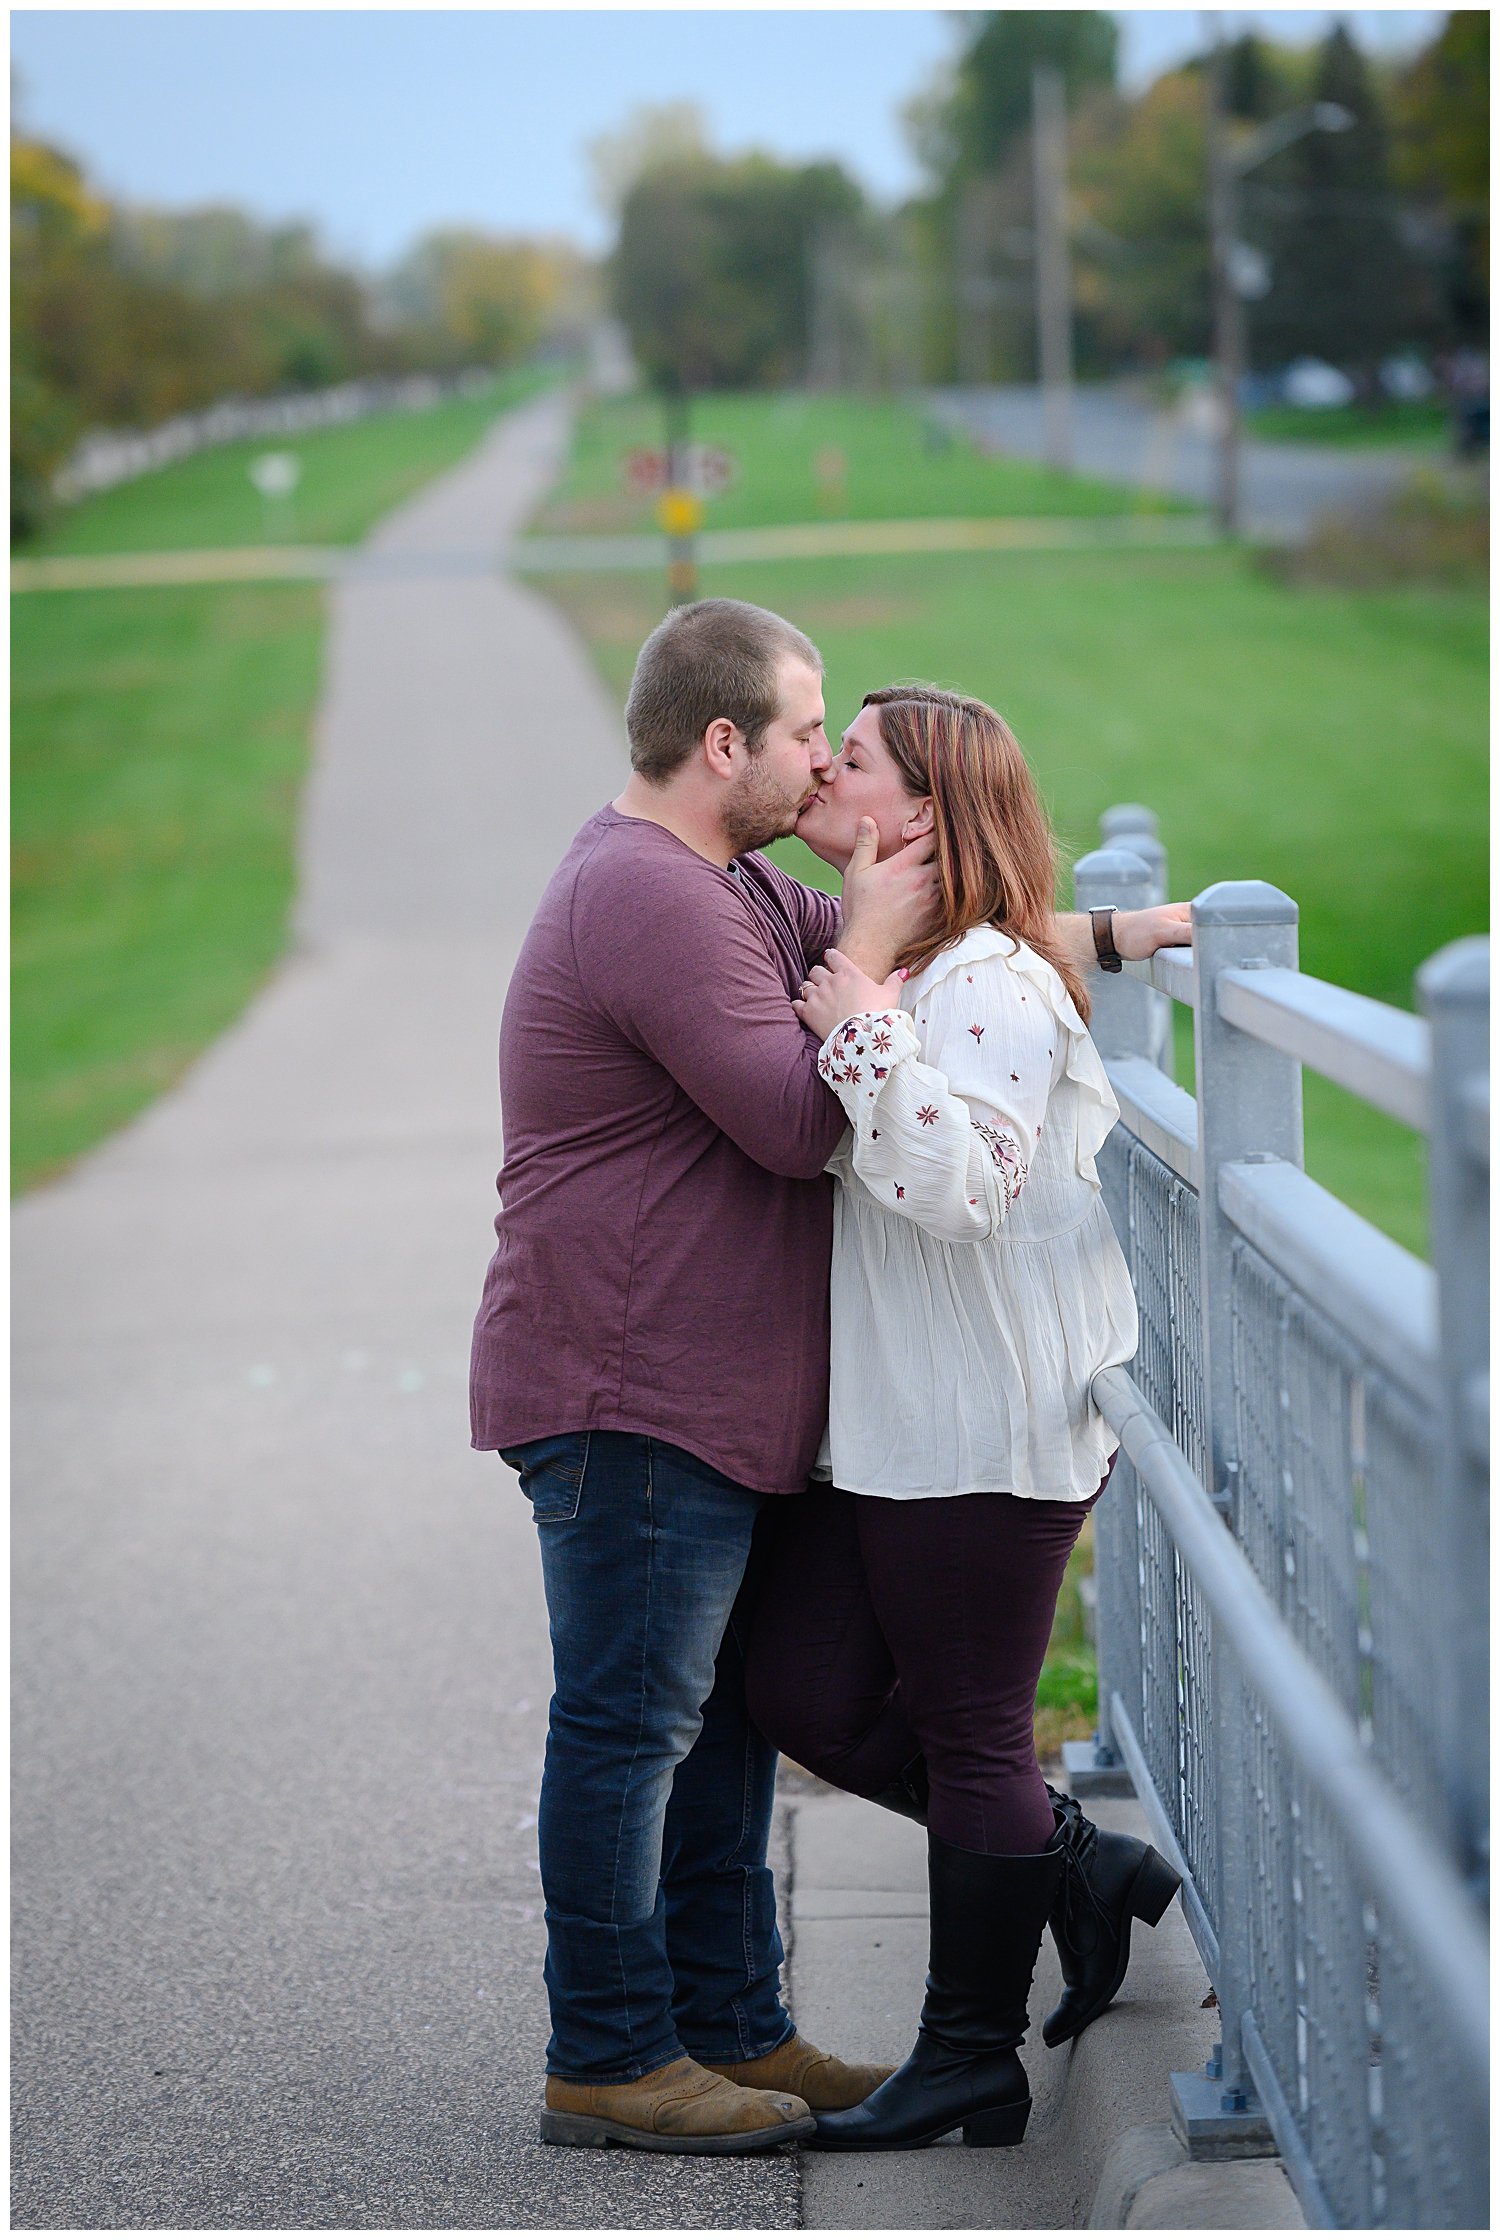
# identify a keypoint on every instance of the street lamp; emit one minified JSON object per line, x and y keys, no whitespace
{"x":1238,"y":273}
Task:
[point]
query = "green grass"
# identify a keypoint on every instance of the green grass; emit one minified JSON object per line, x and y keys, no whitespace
{"x":1331,"y":742}
{"x":159,"y":741}
{"x":1424,"y":425}
{"x":897,"y":468}
{"x":350,"y":477}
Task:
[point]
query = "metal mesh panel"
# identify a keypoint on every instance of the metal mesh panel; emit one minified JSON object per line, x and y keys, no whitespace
{"x":1165,"y":1680}
{"x":1297,"y":1381}
{"x":1162,"y":1247}
{"x":1432,"y":2112}
{"x":1337,"y":2082}
{"x":1197,"y":1816}
{"x":1406,"y":1620}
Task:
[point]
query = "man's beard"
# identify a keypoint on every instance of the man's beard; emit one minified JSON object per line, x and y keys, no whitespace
{"x":757,"y":813}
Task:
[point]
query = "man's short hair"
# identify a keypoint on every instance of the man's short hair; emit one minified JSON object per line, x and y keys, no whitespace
{"x":717,"y":657}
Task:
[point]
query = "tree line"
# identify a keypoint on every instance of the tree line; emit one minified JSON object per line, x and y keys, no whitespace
{"x":123,"y":317}
{"x":735,"y":271}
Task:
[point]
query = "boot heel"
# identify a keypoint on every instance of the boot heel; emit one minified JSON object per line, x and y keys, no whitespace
{"x":998,"y":2127}
{"x":1155,"y":1886}
{"x":559,"y":2130}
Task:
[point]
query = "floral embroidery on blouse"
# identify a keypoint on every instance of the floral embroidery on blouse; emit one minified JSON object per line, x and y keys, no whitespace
{"x":977,"y":1033}
{"x":927,"y":1114}
{"x":836,"y":1065}
{"x":1007,"y":1155}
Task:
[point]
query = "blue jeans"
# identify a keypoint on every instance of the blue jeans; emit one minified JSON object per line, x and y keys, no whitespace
{"x":657,"y":1792}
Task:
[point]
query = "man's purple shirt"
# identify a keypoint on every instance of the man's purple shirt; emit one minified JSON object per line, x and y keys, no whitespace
{"x":665,"y":1223}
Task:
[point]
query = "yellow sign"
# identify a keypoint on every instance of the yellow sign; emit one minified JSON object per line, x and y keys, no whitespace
{"x":679,"y":513}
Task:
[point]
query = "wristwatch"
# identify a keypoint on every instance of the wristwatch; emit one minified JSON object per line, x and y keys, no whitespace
{"x":1103,"y":923}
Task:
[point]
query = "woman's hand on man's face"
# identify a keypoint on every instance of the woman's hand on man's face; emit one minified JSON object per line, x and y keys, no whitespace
{"x":836,"y":989}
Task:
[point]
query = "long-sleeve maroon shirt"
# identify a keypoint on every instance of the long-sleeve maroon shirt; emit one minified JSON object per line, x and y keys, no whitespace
{"x":665,"y":1222}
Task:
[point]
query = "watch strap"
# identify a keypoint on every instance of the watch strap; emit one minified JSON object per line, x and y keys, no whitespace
{"x":1103,"y":923}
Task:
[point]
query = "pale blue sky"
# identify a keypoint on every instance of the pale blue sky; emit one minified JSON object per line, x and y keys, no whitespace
{"x":377,"y":125}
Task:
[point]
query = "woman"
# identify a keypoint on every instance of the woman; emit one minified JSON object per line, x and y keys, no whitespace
{"x":904,"y":1608}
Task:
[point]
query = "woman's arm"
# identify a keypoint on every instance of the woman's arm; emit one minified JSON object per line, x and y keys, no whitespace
{"x":948,"y":1148}
{"x":1138,"y":933}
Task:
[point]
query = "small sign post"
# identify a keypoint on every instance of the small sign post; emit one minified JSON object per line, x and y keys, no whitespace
{"x":679,"y":475}
{"x":276,"y":475}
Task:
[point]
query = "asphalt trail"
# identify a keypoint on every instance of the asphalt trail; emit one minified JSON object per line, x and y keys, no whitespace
{"x":280,"y":1667}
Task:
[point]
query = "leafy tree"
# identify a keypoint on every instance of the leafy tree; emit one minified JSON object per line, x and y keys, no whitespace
{"x":479,"y":299}
{"x":1139,"y":172}
{"x":990,"y":105}
{"x":712,"y":272}
{"x":1442,"y":156}
{"x":1344,"y":283}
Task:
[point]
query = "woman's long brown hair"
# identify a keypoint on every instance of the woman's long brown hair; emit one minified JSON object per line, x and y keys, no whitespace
{"x":996,"y":855}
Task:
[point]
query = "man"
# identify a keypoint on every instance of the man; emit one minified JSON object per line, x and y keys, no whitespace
{"x":651,"y":1354}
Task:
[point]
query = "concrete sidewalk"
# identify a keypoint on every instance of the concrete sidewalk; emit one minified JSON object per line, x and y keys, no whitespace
{"x":1098,"y":2149}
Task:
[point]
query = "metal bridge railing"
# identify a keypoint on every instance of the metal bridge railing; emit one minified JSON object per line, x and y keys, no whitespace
{"x":1292,"y":1567}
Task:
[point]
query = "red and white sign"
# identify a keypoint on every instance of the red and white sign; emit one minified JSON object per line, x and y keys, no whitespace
{"x":708,"y":471}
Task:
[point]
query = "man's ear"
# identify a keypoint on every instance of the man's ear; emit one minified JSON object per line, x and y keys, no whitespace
{"x":718,"y":741}
{"x":919,"y":823}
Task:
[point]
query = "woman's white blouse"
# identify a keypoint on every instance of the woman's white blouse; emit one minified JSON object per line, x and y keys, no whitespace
{"x":977,"y":1284}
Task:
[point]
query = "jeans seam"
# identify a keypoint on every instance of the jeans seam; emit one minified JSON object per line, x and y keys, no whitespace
{"x":614,"y":1887}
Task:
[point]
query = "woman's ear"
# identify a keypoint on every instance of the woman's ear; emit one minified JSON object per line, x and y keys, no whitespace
{"x":919,"y":823}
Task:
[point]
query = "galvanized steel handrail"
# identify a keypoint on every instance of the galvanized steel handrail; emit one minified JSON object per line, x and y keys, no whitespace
{"x":1301,"y":1698}
{"x":1408,"y":1875}
{"x":1381,"y":1055}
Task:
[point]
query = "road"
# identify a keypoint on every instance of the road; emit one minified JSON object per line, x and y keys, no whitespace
{"x":1116,"y":436}
{"x":280,"y":1663}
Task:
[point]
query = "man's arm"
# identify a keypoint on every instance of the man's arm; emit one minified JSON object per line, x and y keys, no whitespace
{"x":1138,"y":933}
{"x":678,"y":965}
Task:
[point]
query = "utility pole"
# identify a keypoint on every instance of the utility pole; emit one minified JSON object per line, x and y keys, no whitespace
{"x":974,"y":285}
{"x":1054,"y":279}
{"x":1238,"y":271}
{"x":824,"y":354}
{"x":1229,"y":313}
{"x":680,"y":511}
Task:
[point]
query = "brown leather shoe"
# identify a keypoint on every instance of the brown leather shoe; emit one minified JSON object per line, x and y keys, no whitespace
{"x":681,"y":2109}
{"x":823,"y":2081}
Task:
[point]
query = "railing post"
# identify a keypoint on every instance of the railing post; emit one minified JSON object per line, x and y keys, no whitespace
{"x":1453,"y":989}
{"x":1129,"y":825}
{"x":1121,"y":1024}
{"x":1249,"y":1108}
{"x":1121,"y":1027}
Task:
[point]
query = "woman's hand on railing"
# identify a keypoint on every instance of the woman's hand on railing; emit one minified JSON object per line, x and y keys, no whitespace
{"x":1140,"y":933}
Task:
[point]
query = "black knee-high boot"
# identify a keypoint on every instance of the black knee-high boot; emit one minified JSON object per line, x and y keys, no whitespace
{"x":1111,"y":1880}
{"x":987,"y":1919}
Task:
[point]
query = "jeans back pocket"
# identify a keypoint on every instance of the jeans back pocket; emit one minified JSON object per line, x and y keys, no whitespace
{"x":551,"y":1472}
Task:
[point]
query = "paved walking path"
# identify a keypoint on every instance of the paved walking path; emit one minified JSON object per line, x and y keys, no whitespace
{"x":280,"y":1653}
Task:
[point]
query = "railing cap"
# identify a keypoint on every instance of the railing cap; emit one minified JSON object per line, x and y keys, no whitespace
{"x":1458,"y":974}
{"x":1127,"y":816}
{"x":1243,"y":902}
{"x":1112,"y":863}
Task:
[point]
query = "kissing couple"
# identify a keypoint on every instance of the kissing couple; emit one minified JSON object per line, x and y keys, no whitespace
{"x":801,"y":1279}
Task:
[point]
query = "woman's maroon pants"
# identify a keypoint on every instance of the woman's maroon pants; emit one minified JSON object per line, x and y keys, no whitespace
{"x":882,"y":1630}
